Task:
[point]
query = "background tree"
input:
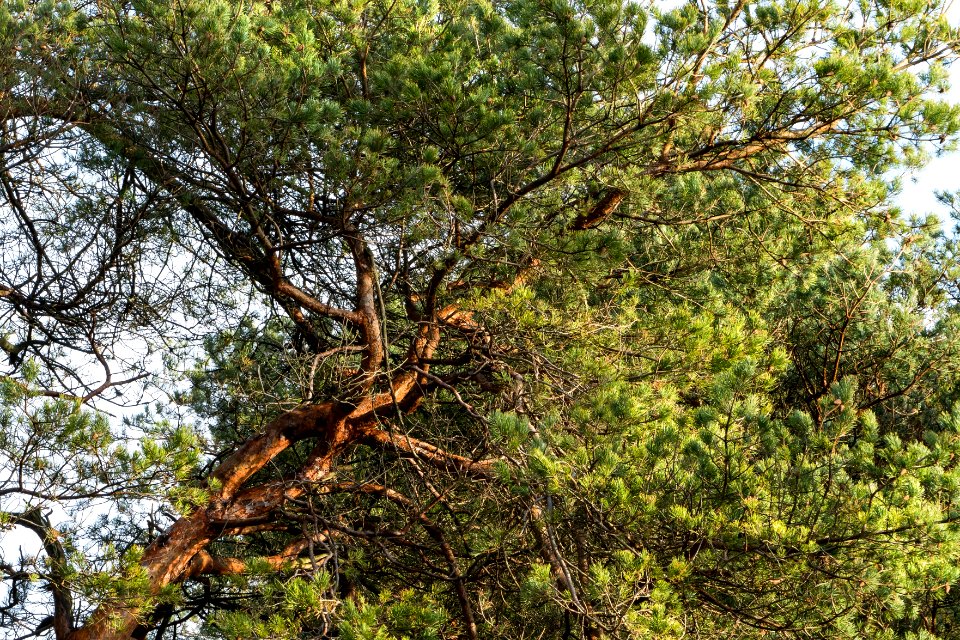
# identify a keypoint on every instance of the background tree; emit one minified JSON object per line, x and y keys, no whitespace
{"x":476,"y":320}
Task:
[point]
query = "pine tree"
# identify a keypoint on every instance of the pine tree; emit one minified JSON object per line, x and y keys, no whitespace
{"x":476,"y":320}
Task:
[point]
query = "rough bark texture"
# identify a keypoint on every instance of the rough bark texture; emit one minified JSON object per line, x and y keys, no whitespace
{"x":169,"y":558}
{"x":180,"y":553}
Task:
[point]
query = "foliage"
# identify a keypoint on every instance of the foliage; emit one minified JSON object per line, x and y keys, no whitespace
{"x":536,"y":318}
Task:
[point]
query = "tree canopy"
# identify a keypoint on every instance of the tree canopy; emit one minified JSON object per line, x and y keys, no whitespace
{"x":467,"y":319}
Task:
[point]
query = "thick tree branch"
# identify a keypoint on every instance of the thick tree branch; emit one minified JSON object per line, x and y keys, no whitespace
{"x":53,"y":547}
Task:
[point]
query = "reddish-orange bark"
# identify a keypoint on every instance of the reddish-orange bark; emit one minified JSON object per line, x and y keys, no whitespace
{"x":181,"y":552}
{"x":167,"y":559}
{"x":231,"y":506}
